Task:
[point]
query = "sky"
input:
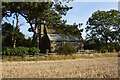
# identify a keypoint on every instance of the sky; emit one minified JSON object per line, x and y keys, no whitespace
{"x":80,"y":14}
{"x":83,"y":10}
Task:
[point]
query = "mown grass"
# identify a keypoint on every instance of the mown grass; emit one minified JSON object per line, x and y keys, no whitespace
{"x":58,"y":57}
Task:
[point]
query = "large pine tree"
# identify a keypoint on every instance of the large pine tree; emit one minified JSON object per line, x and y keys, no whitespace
{"x":37,"y":13}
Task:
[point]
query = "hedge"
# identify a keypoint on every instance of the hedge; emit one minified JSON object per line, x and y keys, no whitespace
{"x":20,"y":51}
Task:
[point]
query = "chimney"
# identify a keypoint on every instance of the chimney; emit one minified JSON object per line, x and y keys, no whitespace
{"x":42,"y":30}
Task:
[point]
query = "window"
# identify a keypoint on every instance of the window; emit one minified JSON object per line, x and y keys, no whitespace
{"x":72,"y":43}
{"x":59,"y":43}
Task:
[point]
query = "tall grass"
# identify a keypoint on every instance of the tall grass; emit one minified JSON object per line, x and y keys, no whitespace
{"x":58,"y":57}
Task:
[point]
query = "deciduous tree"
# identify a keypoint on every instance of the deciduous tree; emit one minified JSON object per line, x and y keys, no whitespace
{"x":103,"y":28}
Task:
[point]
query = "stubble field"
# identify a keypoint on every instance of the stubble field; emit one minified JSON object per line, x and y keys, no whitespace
{"x":77,"y":68}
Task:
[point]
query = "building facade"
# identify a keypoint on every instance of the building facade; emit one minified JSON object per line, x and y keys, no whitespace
{"x":52,"y":41}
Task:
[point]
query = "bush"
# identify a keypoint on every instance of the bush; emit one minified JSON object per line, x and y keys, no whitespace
{"x":104,"y":50}
{"x":34,"y":51}
{"x":20,"y":51}
{"x":7,"y":51}
{"x":67,"y":49}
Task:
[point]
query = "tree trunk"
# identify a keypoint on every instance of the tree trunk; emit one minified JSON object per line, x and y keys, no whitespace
{"x":106,"y":43}
{"x":12,"y":35}
{"x":16,"y":31}
{"x":14,"y":43}
{"x":37,"y":34}
{"x":35,"y":40}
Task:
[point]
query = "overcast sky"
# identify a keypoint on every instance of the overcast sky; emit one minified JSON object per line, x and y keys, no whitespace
{"x":80,"y":13}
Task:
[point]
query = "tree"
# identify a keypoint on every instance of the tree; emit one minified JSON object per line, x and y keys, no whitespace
{"x":69,"y":30}
{"x":103,"y":29}
{"x":9,"y":10}
{"x":8,"y":32}
{"x":43,"y":13}
{"x":37,"y":13}
{"x":48,"y":13}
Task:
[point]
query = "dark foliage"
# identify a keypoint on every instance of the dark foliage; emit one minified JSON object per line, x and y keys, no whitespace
{"x":34,"y":51}
{"x":67,"y":49}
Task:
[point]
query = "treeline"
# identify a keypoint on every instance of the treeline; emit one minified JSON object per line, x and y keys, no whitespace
{"x":103,"y":31}
{"x":8,"y":37}
{"x":35,"y":14}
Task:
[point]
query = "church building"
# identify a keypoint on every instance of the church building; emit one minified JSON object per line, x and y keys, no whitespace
{"x":52,"y":41}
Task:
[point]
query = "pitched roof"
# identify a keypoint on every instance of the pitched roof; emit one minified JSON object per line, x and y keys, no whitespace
{"x":61,"y":37}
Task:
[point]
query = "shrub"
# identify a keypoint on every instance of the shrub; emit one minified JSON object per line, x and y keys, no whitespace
{"x":7,"y":51}
{"x":34,"y":51}
{"x":66,"y":49}
{"x":104,"y":50}
{"x":111,"y":48}
{"x":20,"y":51}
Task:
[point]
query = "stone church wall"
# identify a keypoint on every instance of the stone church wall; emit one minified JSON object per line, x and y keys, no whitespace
{"x":56,"y":44}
